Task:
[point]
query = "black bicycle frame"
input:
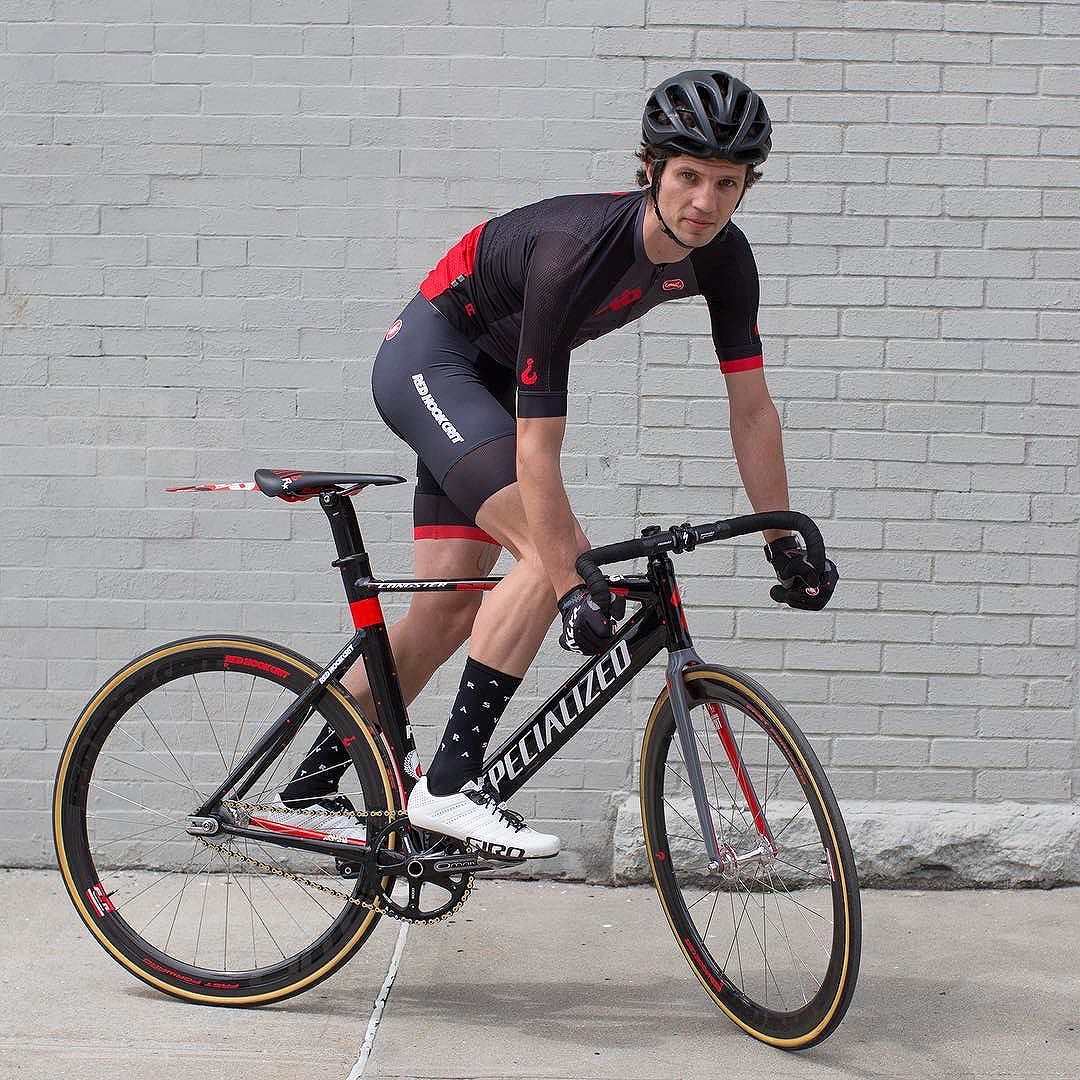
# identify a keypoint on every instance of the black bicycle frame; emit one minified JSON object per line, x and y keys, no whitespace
{"x":660,"y":624}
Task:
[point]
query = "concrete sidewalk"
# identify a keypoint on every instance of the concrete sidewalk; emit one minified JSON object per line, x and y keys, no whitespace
{"x":552,"y":980}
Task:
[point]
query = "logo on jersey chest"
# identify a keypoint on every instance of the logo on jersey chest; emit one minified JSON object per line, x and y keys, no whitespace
{"x":673,"y":284}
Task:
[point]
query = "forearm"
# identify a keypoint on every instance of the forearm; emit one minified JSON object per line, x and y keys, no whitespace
{"x":759,"y":452}
{"x":552,"y":525}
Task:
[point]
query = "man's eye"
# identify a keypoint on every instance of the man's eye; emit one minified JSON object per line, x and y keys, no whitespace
{"x":689,"y":175}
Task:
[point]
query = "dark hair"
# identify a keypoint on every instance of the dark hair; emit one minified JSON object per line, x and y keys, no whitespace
{"x":653,"y":155}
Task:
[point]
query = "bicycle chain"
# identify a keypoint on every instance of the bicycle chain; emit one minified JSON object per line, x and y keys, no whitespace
{"x":300,"y":879}
{"x":277,"y":808}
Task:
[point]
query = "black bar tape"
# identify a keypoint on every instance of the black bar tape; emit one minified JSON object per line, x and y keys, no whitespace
{"x":588,"y":562}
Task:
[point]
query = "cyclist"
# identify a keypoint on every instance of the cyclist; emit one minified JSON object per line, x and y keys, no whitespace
{"x":473,"y":375}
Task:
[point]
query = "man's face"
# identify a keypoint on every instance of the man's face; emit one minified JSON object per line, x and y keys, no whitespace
{"x":697,"y":197}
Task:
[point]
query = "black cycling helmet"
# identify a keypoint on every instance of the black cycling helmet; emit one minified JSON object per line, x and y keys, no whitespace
{"x":708,"y":114}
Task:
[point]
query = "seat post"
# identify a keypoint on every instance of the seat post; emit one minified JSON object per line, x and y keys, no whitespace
{"x":352,"y":560}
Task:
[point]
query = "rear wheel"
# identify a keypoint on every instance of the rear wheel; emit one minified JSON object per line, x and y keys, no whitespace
{"x":773,"y":937}
{"x":220,"y":919}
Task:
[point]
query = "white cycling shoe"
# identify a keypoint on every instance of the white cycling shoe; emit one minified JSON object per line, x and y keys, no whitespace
{"x":475,"y":816}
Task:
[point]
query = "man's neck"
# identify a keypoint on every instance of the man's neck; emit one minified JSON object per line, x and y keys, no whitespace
{"x":660,"y":249}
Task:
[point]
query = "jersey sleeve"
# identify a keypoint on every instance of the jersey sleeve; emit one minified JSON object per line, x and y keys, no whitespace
{"x":728,"y":279}
{"x":561,"y":290}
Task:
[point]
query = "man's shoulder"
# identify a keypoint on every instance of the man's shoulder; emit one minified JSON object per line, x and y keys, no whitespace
{"x":729,"y":246}
{"x":577,"y":213}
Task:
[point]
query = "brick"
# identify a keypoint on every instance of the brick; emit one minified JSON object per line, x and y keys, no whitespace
{"x":989,"y":79}
{"x":992,"y":18}
{"x":1033,"y":785}
{"x":978,"y":753}
{"x":1041,"y":50}
{"x":885,"y":77}
{"x":881,"y":751}
{"x":761,"y":44}
{"x":845,"y":45}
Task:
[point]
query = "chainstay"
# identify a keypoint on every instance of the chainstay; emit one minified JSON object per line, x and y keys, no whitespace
{"x":368,"y":905}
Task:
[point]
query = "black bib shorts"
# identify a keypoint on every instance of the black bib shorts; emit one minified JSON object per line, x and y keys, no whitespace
{"x":455,"y":407}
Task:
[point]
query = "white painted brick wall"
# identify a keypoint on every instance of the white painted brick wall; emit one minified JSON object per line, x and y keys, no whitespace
{"x":209,"y":211}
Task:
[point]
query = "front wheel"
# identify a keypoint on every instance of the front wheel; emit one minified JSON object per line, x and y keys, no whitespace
{"x":222,"y":919}
{"x":773,"y":934}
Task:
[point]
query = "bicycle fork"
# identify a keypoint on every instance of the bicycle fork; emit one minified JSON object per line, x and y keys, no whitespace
{"x":722,"y":856}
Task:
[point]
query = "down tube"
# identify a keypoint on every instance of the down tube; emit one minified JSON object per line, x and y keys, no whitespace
{"x":575,"y":703}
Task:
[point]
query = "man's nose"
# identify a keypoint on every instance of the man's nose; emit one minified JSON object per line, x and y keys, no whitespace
{"x":707,"y":200}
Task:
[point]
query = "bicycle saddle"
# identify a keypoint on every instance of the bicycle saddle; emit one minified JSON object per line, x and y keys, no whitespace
{"x":295,"y":484}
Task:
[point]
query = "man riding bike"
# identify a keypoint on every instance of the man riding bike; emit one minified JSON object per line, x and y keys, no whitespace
{"x":473,"y":376}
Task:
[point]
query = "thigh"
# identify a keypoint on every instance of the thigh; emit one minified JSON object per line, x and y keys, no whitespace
{"x":451,"y":613}
{"x":434,"y":389}
{"x":503,"y":517}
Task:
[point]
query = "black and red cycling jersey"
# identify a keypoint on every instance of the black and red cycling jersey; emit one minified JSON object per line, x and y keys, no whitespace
{"x":532,"y":284}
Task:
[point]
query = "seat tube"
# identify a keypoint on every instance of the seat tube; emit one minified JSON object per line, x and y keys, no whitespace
{"x":391,"y":713}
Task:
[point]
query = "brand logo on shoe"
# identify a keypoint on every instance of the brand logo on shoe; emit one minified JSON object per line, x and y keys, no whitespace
{"x":673,"y":284}
{"x":496,"y":851}
{"x":412,"y":764}
{"x":392,"y":332}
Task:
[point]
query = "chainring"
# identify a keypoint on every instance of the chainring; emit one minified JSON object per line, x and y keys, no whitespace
{"x":420,"y":863}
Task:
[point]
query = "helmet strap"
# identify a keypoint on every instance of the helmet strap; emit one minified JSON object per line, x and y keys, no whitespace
{"x":654,"y":190}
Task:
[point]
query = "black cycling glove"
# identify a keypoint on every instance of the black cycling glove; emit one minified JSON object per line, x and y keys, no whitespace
{"x":794,"y":572}
{"x":586,"y":628}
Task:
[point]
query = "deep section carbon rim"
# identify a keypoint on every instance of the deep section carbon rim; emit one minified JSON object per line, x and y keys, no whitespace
{"x":191,"y":919}
{"x":773,"y":936}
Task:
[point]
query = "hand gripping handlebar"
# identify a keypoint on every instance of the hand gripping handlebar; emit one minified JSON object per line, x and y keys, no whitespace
{"x":686,"y":537}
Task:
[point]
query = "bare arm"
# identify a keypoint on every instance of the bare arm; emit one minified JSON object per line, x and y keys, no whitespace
{"x":552,"y":525}
{"x":759,"y":449}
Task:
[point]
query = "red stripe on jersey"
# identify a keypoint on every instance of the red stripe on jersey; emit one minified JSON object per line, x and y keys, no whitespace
{"x":366,"y":612}
{"x":457,"y":262}
{"x":747,"y":363}
{"x":453,"y":532}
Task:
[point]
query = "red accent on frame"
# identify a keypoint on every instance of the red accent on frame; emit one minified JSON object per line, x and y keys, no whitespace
{"x":620,"y":590}
{"x":453,"y":532}
{"x":676,"y":601}
{"x":747,"y":363}
{"x":723,"y":729}
{"x":475,"y":586}
{"x":366,"y":612}
{"x":305,"y":834}
{"x":457,"y":262}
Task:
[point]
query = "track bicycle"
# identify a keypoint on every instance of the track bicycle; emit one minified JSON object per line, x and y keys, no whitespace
{"x":172,"y":854}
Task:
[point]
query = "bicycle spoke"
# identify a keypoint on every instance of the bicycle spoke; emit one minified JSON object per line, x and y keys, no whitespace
{"x":206,"y":713}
